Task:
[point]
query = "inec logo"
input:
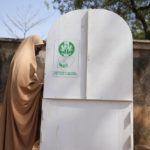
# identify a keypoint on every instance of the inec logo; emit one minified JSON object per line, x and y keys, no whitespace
{"x":66,"y":49}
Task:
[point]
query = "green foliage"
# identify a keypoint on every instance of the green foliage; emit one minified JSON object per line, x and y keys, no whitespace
{"x":135,"y":12}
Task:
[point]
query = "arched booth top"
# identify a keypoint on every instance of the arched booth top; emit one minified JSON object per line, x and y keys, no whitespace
{"x":89,"y":56}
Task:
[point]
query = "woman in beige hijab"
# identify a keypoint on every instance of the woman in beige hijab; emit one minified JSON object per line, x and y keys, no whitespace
{"x":19,"y":122}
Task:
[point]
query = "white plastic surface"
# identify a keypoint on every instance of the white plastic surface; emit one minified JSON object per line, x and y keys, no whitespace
{"x":101,"y":65}
{"x":88,"y":93}
{"x":109,"y":65}
{"x":68,"y":28}
{"x":86,"y":125}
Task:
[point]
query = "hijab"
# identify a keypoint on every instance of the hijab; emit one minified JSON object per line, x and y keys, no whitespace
{"x":20,"y":117}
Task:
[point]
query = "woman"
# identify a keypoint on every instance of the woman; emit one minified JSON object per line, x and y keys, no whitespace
{"x":19,"y":122}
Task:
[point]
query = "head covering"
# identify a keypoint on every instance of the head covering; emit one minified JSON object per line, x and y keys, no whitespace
{"x":19,"y":120}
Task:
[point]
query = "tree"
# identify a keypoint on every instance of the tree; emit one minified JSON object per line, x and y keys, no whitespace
{"x":135,"y":12}
{"x":24,"y":21}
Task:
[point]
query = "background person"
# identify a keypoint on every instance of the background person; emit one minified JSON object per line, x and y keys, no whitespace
{"x":20,"y":118}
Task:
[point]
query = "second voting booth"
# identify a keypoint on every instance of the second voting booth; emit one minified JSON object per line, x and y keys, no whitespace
{"x":88,"y":87}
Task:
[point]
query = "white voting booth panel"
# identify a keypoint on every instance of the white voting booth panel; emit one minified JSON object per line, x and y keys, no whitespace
{"x":80,"y":125}
{"x":87,"y":101}
{"x":109,"y":65}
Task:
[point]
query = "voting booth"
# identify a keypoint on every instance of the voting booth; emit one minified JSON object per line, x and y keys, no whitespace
{"x":88,"y":83}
